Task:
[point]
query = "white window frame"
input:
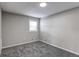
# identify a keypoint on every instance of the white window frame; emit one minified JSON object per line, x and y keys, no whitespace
{"x":33,"y":26}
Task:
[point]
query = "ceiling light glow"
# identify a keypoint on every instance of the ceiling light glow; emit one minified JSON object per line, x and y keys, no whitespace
{"x":43,"y":4}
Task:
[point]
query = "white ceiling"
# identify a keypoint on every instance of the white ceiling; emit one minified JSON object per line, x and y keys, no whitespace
{"x":33,"y":8}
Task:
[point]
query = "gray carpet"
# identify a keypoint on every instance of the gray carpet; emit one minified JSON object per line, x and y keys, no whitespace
{"x":35,"y":49}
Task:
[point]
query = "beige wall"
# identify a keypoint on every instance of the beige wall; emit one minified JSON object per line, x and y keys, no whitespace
{"x":15,"y":30}
{"x":0,"y":32}
{"x":62,"y":30}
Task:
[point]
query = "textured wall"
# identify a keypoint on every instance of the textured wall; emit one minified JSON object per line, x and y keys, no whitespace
{"x":0,"y":32}
{"x":15,"y":30}
{"x":62,"y":30}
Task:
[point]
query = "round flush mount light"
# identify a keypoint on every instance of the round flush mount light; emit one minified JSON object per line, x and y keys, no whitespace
{"x":43,"y":4}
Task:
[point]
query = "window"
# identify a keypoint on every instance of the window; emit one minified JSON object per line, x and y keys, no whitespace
{"x":32,"y":25}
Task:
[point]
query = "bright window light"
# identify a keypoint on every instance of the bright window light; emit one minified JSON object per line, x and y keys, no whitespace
{"x":33,"y":25}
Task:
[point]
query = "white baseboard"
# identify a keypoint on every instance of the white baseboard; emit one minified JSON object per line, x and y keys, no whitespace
{"x":62,"y":48}
{"x":18,"y":44}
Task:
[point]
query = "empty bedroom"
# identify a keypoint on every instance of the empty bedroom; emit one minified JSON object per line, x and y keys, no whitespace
{"x":39,"y":29}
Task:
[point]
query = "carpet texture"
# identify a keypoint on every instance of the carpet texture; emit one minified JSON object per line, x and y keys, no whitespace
{"x":35,"y":49}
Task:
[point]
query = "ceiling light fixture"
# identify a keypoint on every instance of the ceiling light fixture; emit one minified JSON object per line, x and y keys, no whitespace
{"x":43,"y":4}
